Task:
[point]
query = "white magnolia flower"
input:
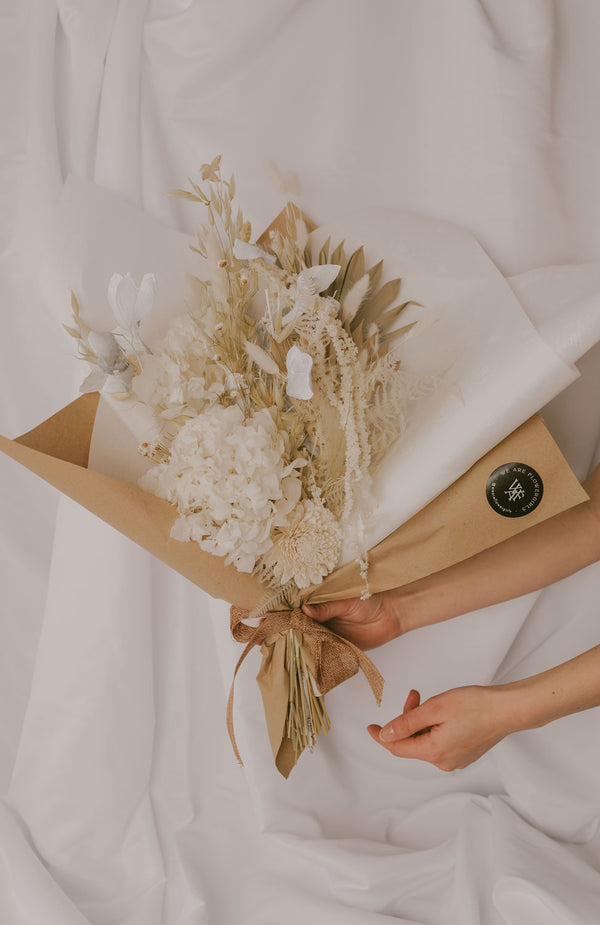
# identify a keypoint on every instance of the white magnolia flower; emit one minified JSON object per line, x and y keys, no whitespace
{"x":109,"y":355}
{"x":299,"y":366}
{"x":231,"y":483}
{"x":309,"y":549}
{"x":114,"y":373}
{"x":114,"y":384}
{"x":309,"y":283}
{"x":130,"y":304}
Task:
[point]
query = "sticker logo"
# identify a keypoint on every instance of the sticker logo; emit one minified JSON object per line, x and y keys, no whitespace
{"x":514,"y":489}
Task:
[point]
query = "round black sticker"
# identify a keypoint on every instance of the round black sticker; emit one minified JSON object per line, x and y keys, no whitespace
{"x":514,"y":489}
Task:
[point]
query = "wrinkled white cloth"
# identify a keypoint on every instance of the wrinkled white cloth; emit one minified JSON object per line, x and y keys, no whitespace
{"x":122,"y":802}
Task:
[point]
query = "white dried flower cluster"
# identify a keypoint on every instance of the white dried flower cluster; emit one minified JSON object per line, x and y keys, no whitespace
{"x":309,"y":549}
{"x":274,"y":397}
{"x":176,"y":380}
{"x":231,"y":483}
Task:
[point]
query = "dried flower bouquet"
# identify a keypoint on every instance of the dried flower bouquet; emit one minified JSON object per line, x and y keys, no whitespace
{"x":271,"y":401}
{"x":274,"y":398}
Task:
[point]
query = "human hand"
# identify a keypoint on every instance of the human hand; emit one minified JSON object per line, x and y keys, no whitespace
{"x":450,"y":730}
{"x":368,"y":623}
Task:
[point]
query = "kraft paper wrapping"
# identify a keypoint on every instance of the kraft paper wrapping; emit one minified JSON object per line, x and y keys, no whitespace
{"x":456,"y":525}
{"x":58,"y":451}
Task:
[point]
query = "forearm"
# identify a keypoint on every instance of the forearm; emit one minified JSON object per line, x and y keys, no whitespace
{"x":542,"y":698}
{"x":527,"y":562}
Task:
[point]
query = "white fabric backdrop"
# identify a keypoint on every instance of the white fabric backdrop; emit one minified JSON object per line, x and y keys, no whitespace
{"x":122,"y":801}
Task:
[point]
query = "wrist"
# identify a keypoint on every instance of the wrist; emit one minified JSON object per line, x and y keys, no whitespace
{"x":421,"y":603}
{"x":533,"y":702}
{"x":518,"y":706}
{"x":406,"y":607}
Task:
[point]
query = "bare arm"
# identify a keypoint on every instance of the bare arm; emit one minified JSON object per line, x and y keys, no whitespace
{"x":527,"y":562}
{"x":456,"y":727}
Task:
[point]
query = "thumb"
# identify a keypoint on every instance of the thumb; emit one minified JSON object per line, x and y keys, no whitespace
{"x":326,"y":611}
{"x":408,"y":724}
{"x":413,"y":700}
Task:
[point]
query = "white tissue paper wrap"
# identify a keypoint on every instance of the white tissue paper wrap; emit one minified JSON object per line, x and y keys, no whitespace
{"x":489,"y":366}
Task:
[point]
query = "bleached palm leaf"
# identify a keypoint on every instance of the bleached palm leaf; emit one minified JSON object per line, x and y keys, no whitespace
{"x":384,"y":321}
{"x":324,"y":252}
{"x":399,"y":332}
{"x":374,"y":307}
{"x":353,"y":271}
{"x":354,"y":299}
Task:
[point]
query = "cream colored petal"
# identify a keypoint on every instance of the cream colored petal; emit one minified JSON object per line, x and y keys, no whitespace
{"x":299,"y":366}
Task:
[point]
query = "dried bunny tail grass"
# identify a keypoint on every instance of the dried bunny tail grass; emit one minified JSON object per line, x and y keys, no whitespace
{"x":301,"y":234}
{"x":289,"y":255}
{"x":357,"y":288}
{"x":261,"y":358}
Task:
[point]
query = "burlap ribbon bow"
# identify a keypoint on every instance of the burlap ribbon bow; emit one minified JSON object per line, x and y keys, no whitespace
{"x":330,"y":658}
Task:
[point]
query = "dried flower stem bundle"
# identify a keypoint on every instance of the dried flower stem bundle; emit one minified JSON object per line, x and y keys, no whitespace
{"x":306,"y":716}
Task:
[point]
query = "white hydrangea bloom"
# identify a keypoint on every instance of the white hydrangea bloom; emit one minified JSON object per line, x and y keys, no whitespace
{"x":231,"y":483}
{"x":176,"y":378}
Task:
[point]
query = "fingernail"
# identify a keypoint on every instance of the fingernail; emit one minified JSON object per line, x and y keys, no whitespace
{"x":387,"y":734}
{"x":308,"y":610}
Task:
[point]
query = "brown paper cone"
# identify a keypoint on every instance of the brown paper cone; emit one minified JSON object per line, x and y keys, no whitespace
{"x":456,"y":525}
{"x":274,"y":684}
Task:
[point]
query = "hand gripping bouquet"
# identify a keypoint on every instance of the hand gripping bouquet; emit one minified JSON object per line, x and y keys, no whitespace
{"x":267,"y":406}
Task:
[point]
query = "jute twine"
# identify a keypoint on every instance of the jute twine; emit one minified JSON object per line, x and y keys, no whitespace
{"x":334,"y":659}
